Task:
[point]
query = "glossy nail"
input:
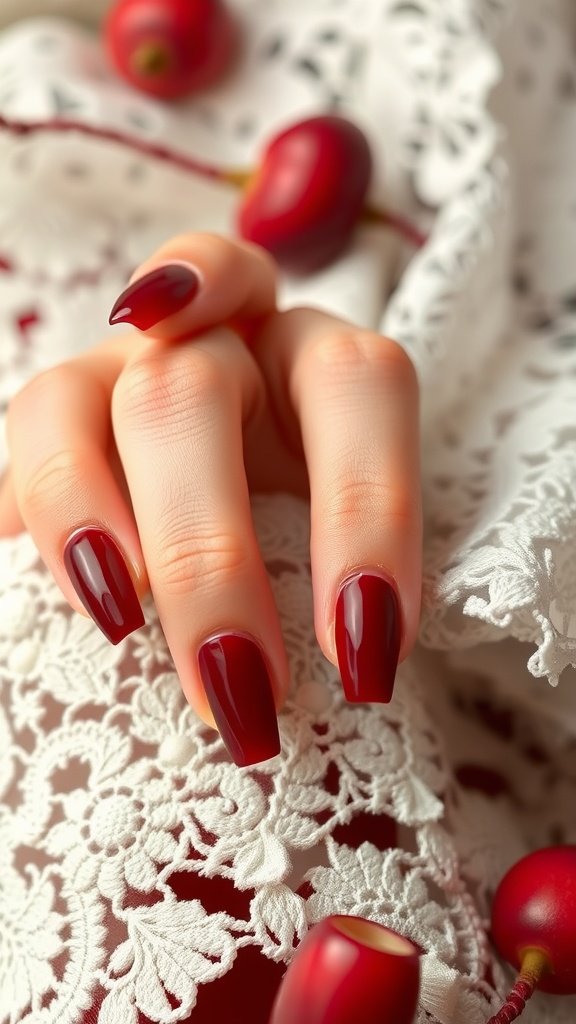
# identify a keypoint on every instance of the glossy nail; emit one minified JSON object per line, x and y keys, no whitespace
{"x":101,"y":579}
{"x":348,"y":970}
{"x":156,"y":296}
{"x":240,"y":695}
{"x":367,"y":635}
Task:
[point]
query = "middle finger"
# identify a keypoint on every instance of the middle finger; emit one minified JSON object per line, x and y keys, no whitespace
{"x":178,"y":416}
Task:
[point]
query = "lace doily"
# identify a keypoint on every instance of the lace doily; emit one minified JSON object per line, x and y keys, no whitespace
{"x":145,"y":879}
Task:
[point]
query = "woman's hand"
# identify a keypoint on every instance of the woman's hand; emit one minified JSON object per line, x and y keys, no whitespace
{"x":153,"y":441}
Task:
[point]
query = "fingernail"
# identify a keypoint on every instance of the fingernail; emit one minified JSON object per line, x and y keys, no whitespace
{"x":156,"y":296}
{"x":240,"y":695}
{"x":101,"y":579}
{"x":367,"y":637}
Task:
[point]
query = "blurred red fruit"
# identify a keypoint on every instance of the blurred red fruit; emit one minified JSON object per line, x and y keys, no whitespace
{"x":169,"y":48}
{"x":308,"y":194}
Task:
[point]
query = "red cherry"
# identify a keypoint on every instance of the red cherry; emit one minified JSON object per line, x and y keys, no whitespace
{"x":534,"y":925}
{"x":348,"y":969}
{"x":169,"y":48}
{"x":301,"y":237}
{"x":305,"y":200}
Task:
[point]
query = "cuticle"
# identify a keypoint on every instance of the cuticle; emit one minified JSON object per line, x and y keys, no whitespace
{"x":363,"y":570}
{"x":370,"y":570}
{"x":218,"y":634}
{"x":169,"y":263}
{"x":89,"y":526}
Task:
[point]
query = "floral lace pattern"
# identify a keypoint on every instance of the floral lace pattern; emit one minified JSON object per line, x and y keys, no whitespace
{"x":145,"y":879}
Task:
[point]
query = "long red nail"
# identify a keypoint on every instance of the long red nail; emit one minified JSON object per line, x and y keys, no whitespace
{"x":101,"y":579}
{"x":349,"y":969}
{"x":240,"y":695}
{"x":156,"y":296}
{"x":367,"y":637}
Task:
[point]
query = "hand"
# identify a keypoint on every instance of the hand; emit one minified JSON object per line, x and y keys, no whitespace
{"x":154,"y":440}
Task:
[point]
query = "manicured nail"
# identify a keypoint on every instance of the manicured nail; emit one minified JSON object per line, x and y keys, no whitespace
{"x":240,"y":695}
{"x":101,"y":579}
{"x":156,"y":296}
{"x":367,"y":637}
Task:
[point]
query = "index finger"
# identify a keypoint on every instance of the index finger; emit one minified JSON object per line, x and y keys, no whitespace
{"x":196,"y":281}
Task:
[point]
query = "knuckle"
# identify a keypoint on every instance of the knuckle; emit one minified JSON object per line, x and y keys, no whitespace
{"x":401,"y":364}
{"x":47,"y":383}
{"x":346,"y":351}
{"x":161,"y":388}
{"x":208,"y":560}
{"x":365,"y":499}
{"x":56,"y":481}
{"x":342,"y":348}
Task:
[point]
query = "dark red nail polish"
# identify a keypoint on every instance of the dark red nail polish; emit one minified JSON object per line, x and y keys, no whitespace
{"x":240,"y":695}
{"x":367,"y":637}
{"x":101,"y":579}
{"x":156,"y":296}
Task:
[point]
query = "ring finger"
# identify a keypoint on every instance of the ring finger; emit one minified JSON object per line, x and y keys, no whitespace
{"x":352,"y":397}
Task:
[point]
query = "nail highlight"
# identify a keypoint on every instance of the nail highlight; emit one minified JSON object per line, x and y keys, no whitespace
{"x":103,"y":583}
{"x":367,"y":635}
{"x":240,"y":695}
{"x":156,"y":296}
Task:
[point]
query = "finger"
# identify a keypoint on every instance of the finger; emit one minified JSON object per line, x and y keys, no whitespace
{"x":178,"y":415}
{"x":195,"y":281}
{"x":354,"y":396}
{"x":59,"y":437}
{"x":10,"y":519}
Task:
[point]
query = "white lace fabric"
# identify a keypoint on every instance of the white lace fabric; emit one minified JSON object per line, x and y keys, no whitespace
{"x":144,"y":878}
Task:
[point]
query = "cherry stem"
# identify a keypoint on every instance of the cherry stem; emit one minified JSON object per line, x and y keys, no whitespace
{"x":397,"y":223}
{"x":150,"y":59}
{"x":237,"y":177}
{"x":534,"y":964}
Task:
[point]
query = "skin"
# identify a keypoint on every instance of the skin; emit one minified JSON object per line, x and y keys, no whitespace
{"x":256,"y":400}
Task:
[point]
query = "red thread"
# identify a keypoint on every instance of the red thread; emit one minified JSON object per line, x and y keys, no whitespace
{"x":154,"y":150}
{"x":515,"y":1001}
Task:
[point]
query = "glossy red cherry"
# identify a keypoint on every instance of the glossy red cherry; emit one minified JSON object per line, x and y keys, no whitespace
{"x":308,"y":195}
{"x":534,"y":925}
{"x":346,"y":970}
{"x":169,"y":48}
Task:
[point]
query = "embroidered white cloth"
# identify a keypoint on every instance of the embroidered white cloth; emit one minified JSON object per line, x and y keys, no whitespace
{"x":144,"y":879}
